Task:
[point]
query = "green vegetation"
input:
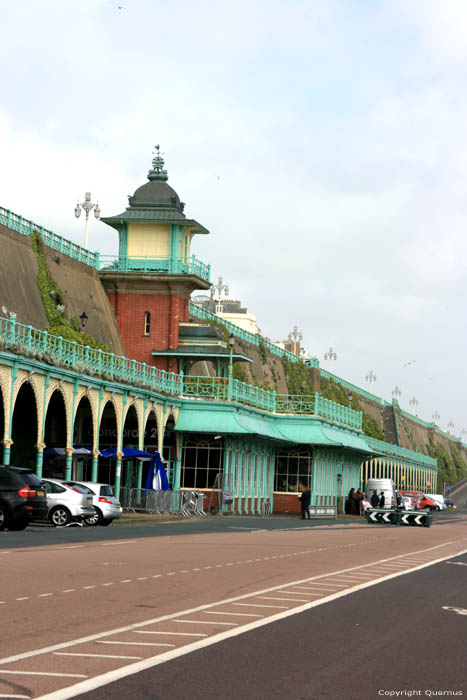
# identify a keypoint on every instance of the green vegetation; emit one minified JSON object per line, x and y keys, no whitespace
{"x":447,"y":470}
{"x":458,"y":460}
{"x":54,"y":306}
{"x":263,"y":351}
{"x":336,"y":392}
{"x":297,"y":377}
{"x":238,"y":372}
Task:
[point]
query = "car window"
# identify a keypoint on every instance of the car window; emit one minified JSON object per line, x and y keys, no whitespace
{"x":79,"y":487}
{"x":51,"y":487}
{"x":31,"y":479}
{"x":106,"y":490}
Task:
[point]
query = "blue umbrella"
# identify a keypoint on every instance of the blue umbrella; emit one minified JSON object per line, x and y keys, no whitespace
{"x":157,"y":477}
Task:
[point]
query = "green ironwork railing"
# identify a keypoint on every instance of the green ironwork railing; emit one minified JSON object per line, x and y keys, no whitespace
{"x":401,"y":452}
{"x":171,"y":266}
{"x":21,"y":225}
{"x":351,"y":387}
{"x":40,"y":345}
{"x":253,"y":338}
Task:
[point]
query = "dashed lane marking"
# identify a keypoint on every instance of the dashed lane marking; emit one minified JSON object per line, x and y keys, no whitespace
{"x":174,"y":634}
{"x":135,"y":644}
{"x":99,"y":656}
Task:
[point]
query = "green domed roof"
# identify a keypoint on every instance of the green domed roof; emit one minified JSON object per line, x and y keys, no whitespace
{"x":156,"y":200}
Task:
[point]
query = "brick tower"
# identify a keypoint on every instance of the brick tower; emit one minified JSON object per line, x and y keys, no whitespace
{"x":150,"y":282}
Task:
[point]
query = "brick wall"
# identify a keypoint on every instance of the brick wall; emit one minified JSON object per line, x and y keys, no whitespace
{"x":166,"y":312}
{"x":286,"y":503}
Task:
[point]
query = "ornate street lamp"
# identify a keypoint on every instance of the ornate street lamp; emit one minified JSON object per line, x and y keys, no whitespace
{"x":413,"y":402}
{"x":450,"y":427}
{"x":330,"y":355}
{"x":436,"y":416}
{"x":221,"y":289}
{"x":370,"y":377}
{"x":87,"y":205}
{"x":396,"y":391}
{"x":84,"y":319}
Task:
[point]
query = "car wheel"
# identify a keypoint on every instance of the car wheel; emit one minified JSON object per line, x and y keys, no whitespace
{"x":19,"y":524}
{"x":60,"y":516}
{"x":94,"y":519}
{"x":3,"y":518}
{"x":106,"y":521}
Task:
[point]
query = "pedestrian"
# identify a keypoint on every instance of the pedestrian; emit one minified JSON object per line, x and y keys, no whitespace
{"x":381,"y":500}
{"x":374,"y":500}
{"x":305,"y":499}
{"x":359,"y":500}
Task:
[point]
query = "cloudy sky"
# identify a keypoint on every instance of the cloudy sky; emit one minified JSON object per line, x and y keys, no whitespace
{"x":322,"y":142}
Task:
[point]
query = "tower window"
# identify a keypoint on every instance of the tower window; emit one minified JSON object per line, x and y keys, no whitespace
{"x":147,"y":323}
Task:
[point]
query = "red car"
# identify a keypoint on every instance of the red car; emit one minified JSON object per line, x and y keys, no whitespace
{"x":422,"y":502}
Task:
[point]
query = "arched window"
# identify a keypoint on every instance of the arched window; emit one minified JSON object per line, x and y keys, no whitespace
{"x":147,"y":323}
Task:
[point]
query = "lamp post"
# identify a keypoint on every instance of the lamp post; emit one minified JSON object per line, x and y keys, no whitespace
{"x":84,"y":319}
{"x":396,"y":391}
{"x":330,"y":355}
{"x":450,"y":426}
{"x":370,"y":377}
{"x":295,"y":338}
{"x":87,"y":205}
{"x":231,"y":345}
{"x":436,"y":416}
{"x":221,"y":288}
{"x":414,"y":403}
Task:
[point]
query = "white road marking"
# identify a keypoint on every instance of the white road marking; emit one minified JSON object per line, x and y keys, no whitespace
{"x":107,"y":584}
{"x":127,"y":580}
{"x":141,"y":578}
{"x":135,"y":644}
{"x":258,"y":605}
{"x":16,"y":696}
{"x":69,"y":590}
{"x":110,"y":544}
{"x":25,"y":598}
{"x":177,"y":634}
{"x":74,"y":546}
{"x":44,"y":595}
{"x":290,"y":600}
{"x":458,"y":611}
{"x":203,"y":622}
{"x":85,"y":588}
{"x":42,"y":673}
{"x":458,"y":563}
{"x":212,"y":612}
{"x":100,"y":656}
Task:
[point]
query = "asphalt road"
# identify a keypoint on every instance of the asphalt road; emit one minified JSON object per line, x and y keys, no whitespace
{"x":223,"y":607}
{"x":396,"y":636}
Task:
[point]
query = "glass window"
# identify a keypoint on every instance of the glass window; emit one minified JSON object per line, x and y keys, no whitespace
{"x":202,"y":460}
{"x":147,"y":323}
{"x":293,"y":469}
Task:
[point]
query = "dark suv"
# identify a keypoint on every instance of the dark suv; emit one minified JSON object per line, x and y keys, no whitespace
{"x":22,"y":498}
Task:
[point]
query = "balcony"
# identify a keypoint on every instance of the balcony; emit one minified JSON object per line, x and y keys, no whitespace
{"x":156,"y":266}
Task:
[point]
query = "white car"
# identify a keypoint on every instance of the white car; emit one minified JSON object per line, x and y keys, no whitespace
{"x":66,"y":503}
{"x":406,"y":503}
{"x":106,"y":506}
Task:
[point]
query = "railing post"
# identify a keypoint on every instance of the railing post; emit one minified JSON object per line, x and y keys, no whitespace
{"x":12,"y":329}
{"x":181,"y":383}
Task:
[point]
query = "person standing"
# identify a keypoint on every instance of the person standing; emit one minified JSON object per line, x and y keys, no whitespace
{"x":305,"y":500}
{"x":374,"y":500}
{"x":381,"y":500}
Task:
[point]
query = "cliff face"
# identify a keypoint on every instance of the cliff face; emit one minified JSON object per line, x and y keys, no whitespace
{"x":79,"y":283}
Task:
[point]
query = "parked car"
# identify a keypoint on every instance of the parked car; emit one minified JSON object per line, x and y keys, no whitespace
{"x":406,"y":503}
{"x":423,"y":502}
{"x":67,"y":503}
{"x":22,"y":498}
{"x":449,"y":503}
{"x":106,"y":506}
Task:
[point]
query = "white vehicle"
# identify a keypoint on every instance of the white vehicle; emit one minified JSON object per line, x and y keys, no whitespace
{"x":106,"y":506}
{"x":66,"y":503}
{"x":382,"y":486}
{"x":438,"y":500}
{"x":406,"y":503}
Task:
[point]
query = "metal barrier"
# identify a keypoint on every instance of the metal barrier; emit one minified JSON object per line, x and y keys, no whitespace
{"x":386,"y":516}
{"x":266,"y":507}
{"x":323,"y":511}
{"x":183,"y":503}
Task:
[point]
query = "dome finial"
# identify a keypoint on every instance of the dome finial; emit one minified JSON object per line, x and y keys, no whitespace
{"x":158,"y":172}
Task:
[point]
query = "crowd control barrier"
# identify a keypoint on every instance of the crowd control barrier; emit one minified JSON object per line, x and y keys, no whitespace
{"x":385,"y":516}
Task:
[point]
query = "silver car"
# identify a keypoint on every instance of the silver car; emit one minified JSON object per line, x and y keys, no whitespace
{"x":66,"y":503}
{"x":106,"y":506}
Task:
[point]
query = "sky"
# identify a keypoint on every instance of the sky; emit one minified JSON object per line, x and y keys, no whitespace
{"x":321,"y":142}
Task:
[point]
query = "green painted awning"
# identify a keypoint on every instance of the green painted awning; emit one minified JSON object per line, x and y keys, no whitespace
{"x":227,"y":421}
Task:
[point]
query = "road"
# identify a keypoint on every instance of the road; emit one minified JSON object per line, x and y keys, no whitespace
{"x":208,"y":609}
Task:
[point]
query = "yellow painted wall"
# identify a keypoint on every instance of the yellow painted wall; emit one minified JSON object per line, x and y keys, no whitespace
{"x":148,"y":240}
